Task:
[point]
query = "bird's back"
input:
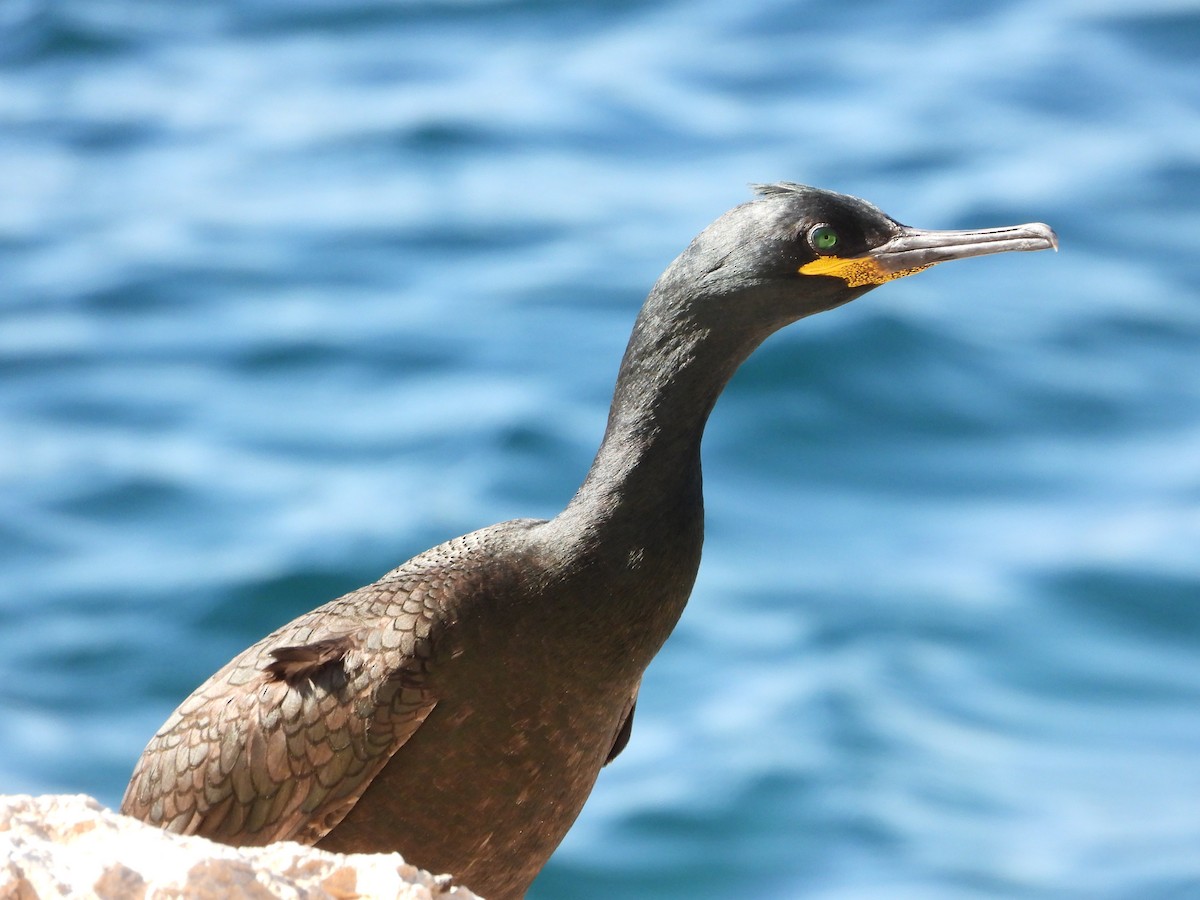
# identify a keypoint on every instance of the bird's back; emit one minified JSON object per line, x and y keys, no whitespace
{"x":431,"y":713}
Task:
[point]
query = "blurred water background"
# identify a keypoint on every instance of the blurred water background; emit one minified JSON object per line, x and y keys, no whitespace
{"x":291,"y":290}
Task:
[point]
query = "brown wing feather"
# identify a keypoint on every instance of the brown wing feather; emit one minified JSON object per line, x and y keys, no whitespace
{"x":625,"y":730}
{"x":295,"y":665}
{"x":281,"y":742}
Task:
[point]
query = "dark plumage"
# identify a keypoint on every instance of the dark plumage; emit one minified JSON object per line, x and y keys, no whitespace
{"x":459,"y":709}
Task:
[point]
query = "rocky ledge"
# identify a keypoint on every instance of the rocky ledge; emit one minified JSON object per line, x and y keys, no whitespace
{"x":71,"y":846}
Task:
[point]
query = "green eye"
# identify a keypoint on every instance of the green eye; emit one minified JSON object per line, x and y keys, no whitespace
{"x":823,"y":238}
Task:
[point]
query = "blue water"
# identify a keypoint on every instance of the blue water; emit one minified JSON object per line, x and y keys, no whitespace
{"x":290,"y":291}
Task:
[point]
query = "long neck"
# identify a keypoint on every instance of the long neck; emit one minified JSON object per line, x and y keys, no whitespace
{"x":645,"y":481}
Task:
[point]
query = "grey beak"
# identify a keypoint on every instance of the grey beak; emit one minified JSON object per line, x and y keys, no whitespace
{"x":914,"y":248}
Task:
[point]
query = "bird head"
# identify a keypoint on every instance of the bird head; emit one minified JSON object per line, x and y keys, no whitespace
{"x":798,"y":250}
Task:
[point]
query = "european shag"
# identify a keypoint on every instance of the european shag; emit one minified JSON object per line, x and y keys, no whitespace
{"x":459,"y":709}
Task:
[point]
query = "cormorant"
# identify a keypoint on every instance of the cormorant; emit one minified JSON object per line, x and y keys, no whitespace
{"x":459,"y":709}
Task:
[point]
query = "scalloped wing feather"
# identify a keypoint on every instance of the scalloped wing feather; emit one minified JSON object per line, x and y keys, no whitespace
{"x":281,"y":742}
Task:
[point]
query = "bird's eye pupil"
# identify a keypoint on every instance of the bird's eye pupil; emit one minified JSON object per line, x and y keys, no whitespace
{"x":823,"y":238}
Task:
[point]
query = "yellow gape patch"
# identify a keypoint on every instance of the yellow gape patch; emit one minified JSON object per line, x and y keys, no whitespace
{"x":856,"y":271}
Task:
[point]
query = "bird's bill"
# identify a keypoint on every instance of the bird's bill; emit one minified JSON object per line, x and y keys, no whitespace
{"x":914,"y":250}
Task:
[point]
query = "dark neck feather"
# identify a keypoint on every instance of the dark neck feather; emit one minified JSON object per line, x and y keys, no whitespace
{"x":646,"y":476}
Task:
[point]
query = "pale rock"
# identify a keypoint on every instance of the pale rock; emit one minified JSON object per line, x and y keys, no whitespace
{"x":70,"y":846}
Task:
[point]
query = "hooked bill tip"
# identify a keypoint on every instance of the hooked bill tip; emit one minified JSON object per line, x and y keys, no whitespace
{"x":1041,"y":231}
{"x":1044,"y":231}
